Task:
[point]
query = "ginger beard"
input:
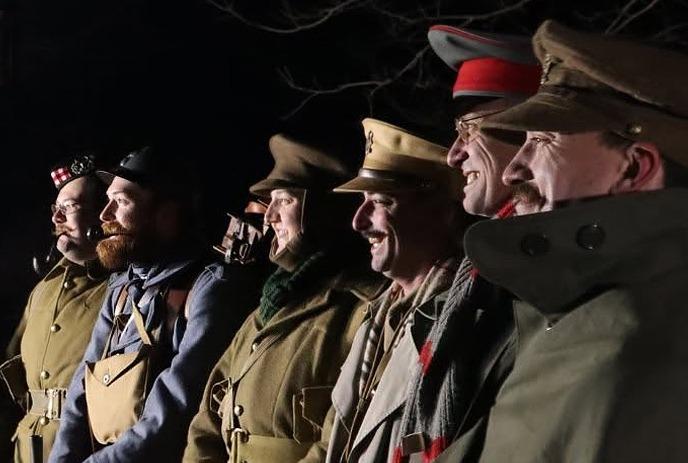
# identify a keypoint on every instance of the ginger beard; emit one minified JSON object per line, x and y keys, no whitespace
{"x":122,"y":246}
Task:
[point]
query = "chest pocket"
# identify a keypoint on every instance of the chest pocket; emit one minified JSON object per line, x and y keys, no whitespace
{"x":116,"y":387}
{"x":309,"y":408}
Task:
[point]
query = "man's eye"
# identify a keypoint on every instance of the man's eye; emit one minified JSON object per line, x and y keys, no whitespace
{"x":121,"y":201}
{"x":285,"y":201}
{"x":381,"y":202}
{"x":538,"y":140}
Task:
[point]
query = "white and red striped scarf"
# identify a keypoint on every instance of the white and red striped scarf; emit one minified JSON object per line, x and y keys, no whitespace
{"x":435,"y":400}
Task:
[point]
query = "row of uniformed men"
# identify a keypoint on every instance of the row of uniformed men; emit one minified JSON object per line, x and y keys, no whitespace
{"x":556,"y":336}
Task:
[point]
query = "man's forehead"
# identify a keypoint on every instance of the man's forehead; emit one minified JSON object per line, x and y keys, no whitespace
{"x":122,"y":185}
{"x":486,"y":107}
{"x":73,"y":190}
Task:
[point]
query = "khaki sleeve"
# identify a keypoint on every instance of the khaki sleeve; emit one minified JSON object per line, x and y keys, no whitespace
{"x":204,"y":439}
{"x":14,"y":346}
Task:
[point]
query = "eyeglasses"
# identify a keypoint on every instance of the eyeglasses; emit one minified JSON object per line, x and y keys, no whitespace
{"x":66,"y":208}
{"x":468,"y":128}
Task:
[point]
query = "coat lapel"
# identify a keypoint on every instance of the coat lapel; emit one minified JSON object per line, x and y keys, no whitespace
{"x":393,"y":388}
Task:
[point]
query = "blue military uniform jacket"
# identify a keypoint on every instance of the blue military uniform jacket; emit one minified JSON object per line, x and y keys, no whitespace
{"x":191,"y":347}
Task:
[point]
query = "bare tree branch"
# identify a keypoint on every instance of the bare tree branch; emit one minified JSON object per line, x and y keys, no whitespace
{"x":323,"y":16}
{"x":619,"y":17}
{"x":377,"y":84}
{"x":633,"y":17}
{"x":484,"y":16}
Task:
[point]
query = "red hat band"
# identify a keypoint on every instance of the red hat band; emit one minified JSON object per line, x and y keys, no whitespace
{"x":494,"y":75}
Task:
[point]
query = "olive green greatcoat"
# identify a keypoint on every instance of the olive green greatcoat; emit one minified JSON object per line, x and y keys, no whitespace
{"x":290,"y":366}
{"x":52,"y":337}
{"x":601,"y":369}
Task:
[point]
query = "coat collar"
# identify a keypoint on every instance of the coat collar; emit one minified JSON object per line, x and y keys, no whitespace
{"x":552,"y":260}
{"x":154,"y":274}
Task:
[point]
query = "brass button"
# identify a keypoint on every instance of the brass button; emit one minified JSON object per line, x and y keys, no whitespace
{"x":45,"y":374}
{"x":67,"y":284}
{"x":534,"y":245}
{"x":590,"y":237}
{"x":43,"y":420}
{"x":54,"y":328}
{"x":106,"y":378}
{"x":254,"y":346}
{"x":634,"y":129}
{"x":238,"y":410}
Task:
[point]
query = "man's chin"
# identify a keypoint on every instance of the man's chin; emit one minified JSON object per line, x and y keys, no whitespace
{"x":115,"y":252}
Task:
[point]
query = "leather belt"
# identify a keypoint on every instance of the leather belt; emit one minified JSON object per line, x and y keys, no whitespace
{"x":47,"y":402}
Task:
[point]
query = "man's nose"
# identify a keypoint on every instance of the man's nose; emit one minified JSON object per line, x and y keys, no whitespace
{"x":58,"y":217}
{"x":361,"y":220}
{"x":457,"y":154}
{"x":271,"y":215}
{"x":108,"y":212}
{"x":518,"y":171}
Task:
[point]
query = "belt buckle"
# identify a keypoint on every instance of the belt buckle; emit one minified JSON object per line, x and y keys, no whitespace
{"x":240,"y":433}
{"x":54,"y":403}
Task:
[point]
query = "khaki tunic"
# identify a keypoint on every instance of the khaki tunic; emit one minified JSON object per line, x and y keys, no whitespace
{"x":283,"y":374}
{"x":374,"y":438}
{"x":52,"y":337}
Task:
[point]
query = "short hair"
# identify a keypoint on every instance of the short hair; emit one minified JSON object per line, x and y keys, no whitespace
{"x":612,"y":140}
{"x":675,"y":174}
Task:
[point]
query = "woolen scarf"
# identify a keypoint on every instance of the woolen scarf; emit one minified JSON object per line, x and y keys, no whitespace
{"x":437,"y":397}
{"x":298,"y":267}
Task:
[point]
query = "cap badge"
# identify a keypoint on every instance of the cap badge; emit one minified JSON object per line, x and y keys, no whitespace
{"x":634,"y":129}
{"x":81,"y":165}
{"x":126,"y":159}
{"x":369,"y":143}
{"x":546,"y":67}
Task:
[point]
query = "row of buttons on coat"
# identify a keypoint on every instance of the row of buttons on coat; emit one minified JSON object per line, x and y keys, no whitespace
{"x":589,"y":237}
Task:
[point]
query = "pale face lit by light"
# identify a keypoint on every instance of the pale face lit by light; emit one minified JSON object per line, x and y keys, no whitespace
{"x":128,"y":205}
{"x":561,"y":167}
{"x":284,"y":215}
{"x":74,"y":213}
{"x":482,"y":160}
{"x":406,"y":231}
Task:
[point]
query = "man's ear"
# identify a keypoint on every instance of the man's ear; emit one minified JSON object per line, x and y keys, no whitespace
{"x":644,"y":169}
{"x":167,"y":218}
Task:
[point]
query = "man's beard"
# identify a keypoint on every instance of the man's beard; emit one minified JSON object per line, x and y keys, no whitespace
{"x":120,"y":247}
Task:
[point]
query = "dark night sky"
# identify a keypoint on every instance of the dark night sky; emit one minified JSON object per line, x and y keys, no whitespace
{"x":113,"y":75}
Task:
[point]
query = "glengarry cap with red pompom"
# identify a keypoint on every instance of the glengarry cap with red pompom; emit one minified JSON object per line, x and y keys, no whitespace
{"x":72,"y":168}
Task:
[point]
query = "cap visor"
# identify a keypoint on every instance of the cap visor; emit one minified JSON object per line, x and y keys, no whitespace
{"x":265,"y":186}
{"x":105,"y":176}
{"x":547,"y":112}
{"x":361,"y":184}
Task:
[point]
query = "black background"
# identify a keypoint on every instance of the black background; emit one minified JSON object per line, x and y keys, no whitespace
{"x":113,"y":75}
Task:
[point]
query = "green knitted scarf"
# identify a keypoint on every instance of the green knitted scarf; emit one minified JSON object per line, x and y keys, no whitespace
{"x":282,"y":286}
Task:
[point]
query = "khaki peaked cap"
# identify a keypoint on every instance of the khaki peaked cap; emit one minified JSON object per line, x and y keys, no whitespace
{"x":396,"y":160}
{"x":300,"y":166}
{"x":592,"y":82}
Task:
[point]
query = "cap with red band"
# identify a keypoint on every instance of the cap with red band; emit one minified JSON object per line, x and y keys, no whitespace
{"x":71,"y":169}
{"x":488,"y":64}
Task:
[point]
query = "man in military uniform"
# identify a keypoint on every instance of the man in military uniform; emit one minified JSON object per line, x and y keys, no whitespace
{"x":164,"y":322}
{"x":600,"y":372}
{"x":62,"y":308}
{"x":411,"y":216}
{"x":468,"y":351}
{"x":268,"y":397}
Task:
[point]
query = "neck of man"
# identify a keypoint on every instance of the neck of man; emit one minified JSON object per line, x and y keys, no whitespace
{"x":411,"y":281}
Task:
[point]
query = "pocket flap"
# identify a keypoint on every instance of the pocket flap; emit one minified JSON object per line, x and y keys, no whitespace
{"x":108,"y":370}
{"x":316,"y":403}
